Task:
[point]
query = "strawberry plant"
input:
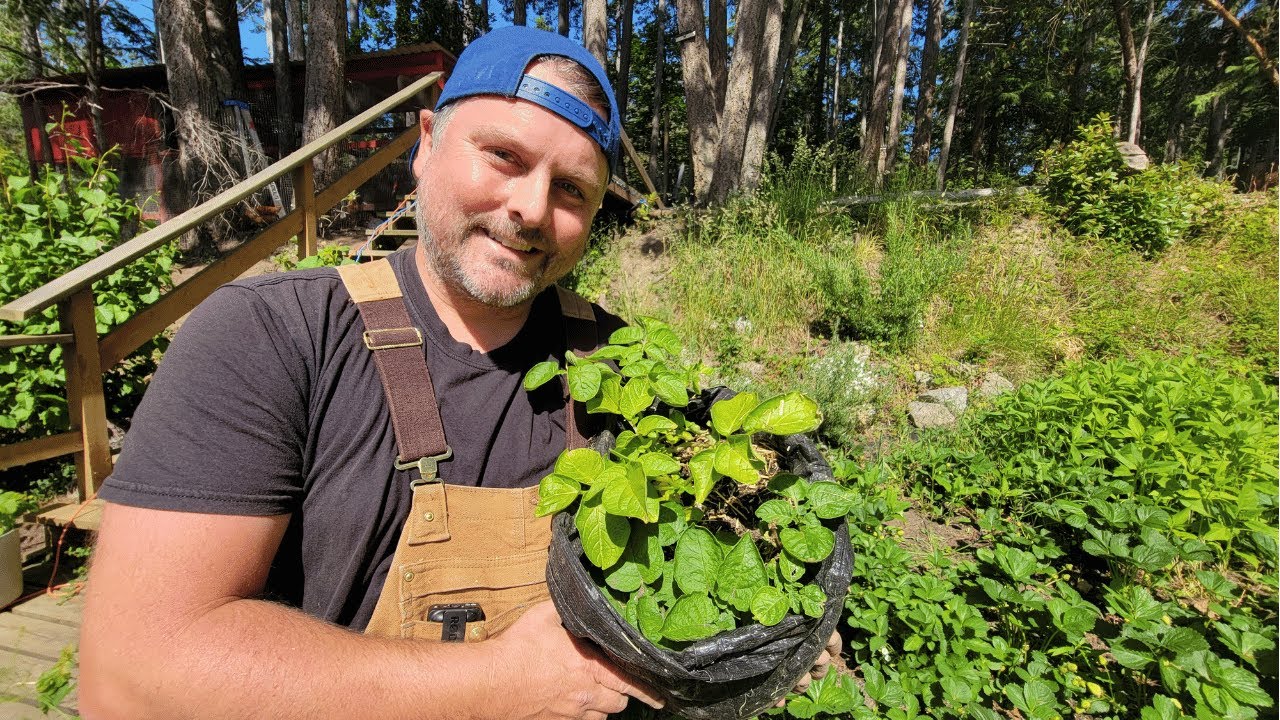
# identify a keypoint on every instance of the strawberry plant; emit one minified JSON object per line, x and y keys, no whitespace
{"x":690,"y":521}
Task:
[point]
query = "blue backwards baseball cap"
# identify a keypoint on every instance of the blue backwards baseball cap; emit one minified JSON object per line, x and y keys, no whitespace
{"x":494,"y":64}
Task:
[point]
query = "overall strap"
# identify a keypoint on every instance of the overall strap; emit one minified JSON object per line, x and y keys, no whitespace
{"x":402,"y":366}
{"x":582,"y":336}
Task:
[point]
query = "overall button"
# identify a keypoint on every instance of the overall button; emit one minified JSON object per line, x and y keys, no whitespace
{"x":408,"y":576}
{"x":428,"y":516}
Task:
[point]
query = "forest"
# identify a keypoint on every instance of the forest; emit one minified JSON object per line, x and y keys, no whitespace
{"x":1022,"y":258}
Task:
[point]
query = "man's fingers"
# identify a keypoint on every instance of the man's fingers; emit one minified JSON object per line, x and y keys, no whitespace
{"x":834,"y":643}
{"x":821,"y":665}
{"x":803,"y":683}
{"x":615,"y":680}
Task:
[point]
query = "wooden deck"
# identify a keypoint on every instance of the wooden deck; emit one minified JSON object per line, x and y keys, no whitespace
{"x":32,"y":636}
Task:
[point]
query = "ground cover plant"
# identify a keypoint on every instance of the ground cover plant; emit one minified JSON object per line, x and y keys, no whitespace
{"x":691,"y":525}
{"x":1111,"y":553}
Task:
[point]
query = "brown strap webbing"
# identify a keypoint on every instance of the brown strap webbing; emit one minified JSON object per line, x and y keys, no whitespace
{"x":582,"y":337}
{"x":397,"y":347}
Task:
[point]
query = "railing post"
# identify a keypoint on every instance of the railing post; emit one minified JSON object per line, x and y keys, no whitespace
{"x":86,"y":404}
{"x":304,"y":192}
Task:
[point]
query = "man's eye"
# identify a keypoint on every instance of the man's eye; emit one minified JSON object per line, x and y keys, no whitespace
{"x":502,"y":155}
{"x":572,"y":189}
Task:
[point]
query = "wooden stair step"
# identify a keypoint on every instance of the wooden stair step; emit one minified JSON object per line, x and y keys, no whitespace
{"x":62,"y":515}
{"x":393,"y":232}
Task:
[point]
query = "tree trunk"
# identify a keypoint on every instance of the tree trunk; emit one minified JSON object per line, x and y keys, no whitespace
{"x":623,"y":83}
{"x":519,"y":12}
{"x":1219,"y":132}
{"x":750,"y":21}
{"x":901,"y":55}
{"x":468,"y":17}
{"x":286,"y":141}
{"x":595,"y":29}
{"x":1268,"y":67}
{"x":655,"y":118}
{"x":790,"y":40}
{"x":927,"y":87}
{"x":563,"y":14}
{"x":835,"y":82}
{"x":1129,"y":54}
{"x":878,"y":105}
{"x":1140,"y":63}
{"x":766,"y":97}
{"x":816,"y":119}
{"x":204,"y":66}
{"x":957,"y":84}
{"x":703,"y":116}
{"x":1080,"y":73}
{"x":43,"y":154}
{"x":297,"y":38}
{"x":353,"y":17}
{"x":1176,"y":113}
{"x":323,"y":98}
{"x":93,"y":73}
{"x":718,"y":50}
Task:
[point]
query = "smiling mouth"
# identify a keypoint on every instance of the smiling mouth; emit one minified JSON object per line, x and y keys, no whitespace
{"x":512,"y":243}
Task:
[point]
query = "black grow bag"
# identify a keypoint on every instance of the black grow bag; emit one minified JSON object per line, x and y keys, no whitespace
{"x":736,"y":674}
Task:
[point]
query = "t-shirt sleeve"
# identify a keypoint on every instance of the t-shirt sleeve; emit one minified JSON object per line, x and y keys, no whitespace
{"x":222,"y":427}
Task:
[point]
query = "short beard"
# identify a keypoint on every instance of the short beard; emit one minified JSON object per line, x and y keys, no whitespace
{"x":448,"y":267}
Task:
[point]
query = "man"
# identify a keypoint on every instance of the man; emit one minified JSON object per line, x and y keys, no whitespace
{"x":278,"y":541}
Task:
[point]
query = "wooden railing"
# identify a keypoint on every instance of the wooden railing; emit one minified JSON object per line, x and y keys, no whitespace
{"x":87,"y":356}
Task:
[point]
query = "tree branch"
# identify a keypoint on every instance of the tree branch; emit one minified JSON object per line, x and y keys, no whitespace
{"x":1267,"y":66}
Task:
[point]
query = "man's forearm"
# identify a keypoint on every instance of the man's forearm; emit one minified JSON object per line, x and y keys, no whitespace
{"x":254,"y":659}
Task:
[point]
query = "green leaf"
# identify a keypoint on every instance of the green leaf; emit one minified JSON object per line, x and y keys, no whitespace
{"x":786,"y":414}
{"x":671,"y":523}
{"x":636,"y":397}
{"x":671,"y":389}
{"x":541,"y":374}
{"x":957,"y":691}
{"x":732,"y":460}
{"x":702,"y":472}
{"x":727,"y":415}
{"x":697,"y":558}
{"x":628,"y":335}
{"x":649,"y":617}
{"x":629,"y":494}
{"x":790,"y":486}
{"x":776,"y":511}
{"x":584,"y":381}
{"x":609,"y":399}
{"x":830,"y":500}
{"x":693,"y":617}
{"x":788,"y":567}
{"x":809,"y":544}
{"x":555,"y":493}
{"x":604,"y":535}
{"x":1035,"y":699}
{"x":651,"y":425}
{"x":768,"y":605}
{"x":812,"y":600}
{"x":657,"y":464}
{"x":665,"y":338}
{"x":740,"y":574}
{"x":641,"y":561}
{"x":582,"y":464}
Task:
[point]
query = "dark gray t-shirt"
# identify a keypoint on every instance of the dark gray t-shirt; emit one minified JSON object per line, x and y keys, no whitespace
{"x":267,"y":403}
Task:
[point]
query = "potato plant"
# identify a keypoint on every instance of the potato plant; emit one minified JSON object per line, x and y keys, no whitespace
{"x":691,"y":524}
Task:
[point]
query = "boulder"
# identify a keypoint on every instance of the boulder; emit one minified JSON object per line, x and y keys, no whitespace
{"x":956,"y":399}
{"x":924,"y":379}
{"x":994,"y":384}
{"x":930,"y":415}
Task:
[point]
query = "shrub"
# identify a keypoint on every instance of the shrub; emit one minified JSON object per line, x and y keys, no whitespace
{"x":843,"y":383}
{"x":1095,"y":194}
{"x":49,"y":227}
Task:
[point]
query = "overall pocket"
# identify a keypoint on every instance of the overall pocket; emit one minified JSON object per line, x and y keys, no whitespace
{"x":504,"y":587}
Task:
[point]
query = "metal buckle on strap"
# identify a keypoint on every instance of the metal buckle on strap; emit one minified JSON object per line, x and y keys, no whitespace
{"x":428,"y":467}
{"x":370,"y":342}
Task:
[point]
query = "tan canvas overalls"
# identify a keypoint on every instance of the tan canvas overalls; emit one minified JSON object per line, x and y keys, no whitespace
{"x":460,"y":544}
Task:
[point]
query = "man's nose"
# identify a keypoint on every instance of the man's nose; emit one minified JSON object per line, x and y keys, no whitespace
{"x":528,"y":202}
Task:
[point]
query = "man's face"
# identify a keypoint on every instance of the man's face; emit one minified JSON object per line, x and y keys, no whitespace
{"x":506,"y":197}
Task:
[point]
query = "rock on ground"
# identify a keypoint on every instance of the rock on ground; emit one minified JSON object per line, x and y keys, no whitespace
{"x":930,"y":415}
{"x":956,"y":399}
{"x":994,"y":384}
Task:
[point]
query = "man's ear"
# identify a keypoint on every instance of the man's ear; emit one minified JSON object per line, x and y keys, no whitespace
{"x":426,"y":124}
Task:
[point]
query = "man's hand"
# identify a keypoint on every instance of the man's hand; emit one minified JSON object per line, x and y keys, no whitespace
{"x":546,"y":673}
{"x":820,"y":666}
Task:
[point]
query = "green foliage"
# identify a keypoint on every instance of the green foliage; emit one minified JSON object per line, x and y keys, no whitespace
{"x":1096,"y":195}
{"x":13,"y":505}
{"x":50,"y":227}
{"x":919,"y":256}
{"x":54,"y":684}
{"x":1119,"y":559}
{"x":670,"y":515}
{"x":326,"y":256}
{"x":843,"y":382}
